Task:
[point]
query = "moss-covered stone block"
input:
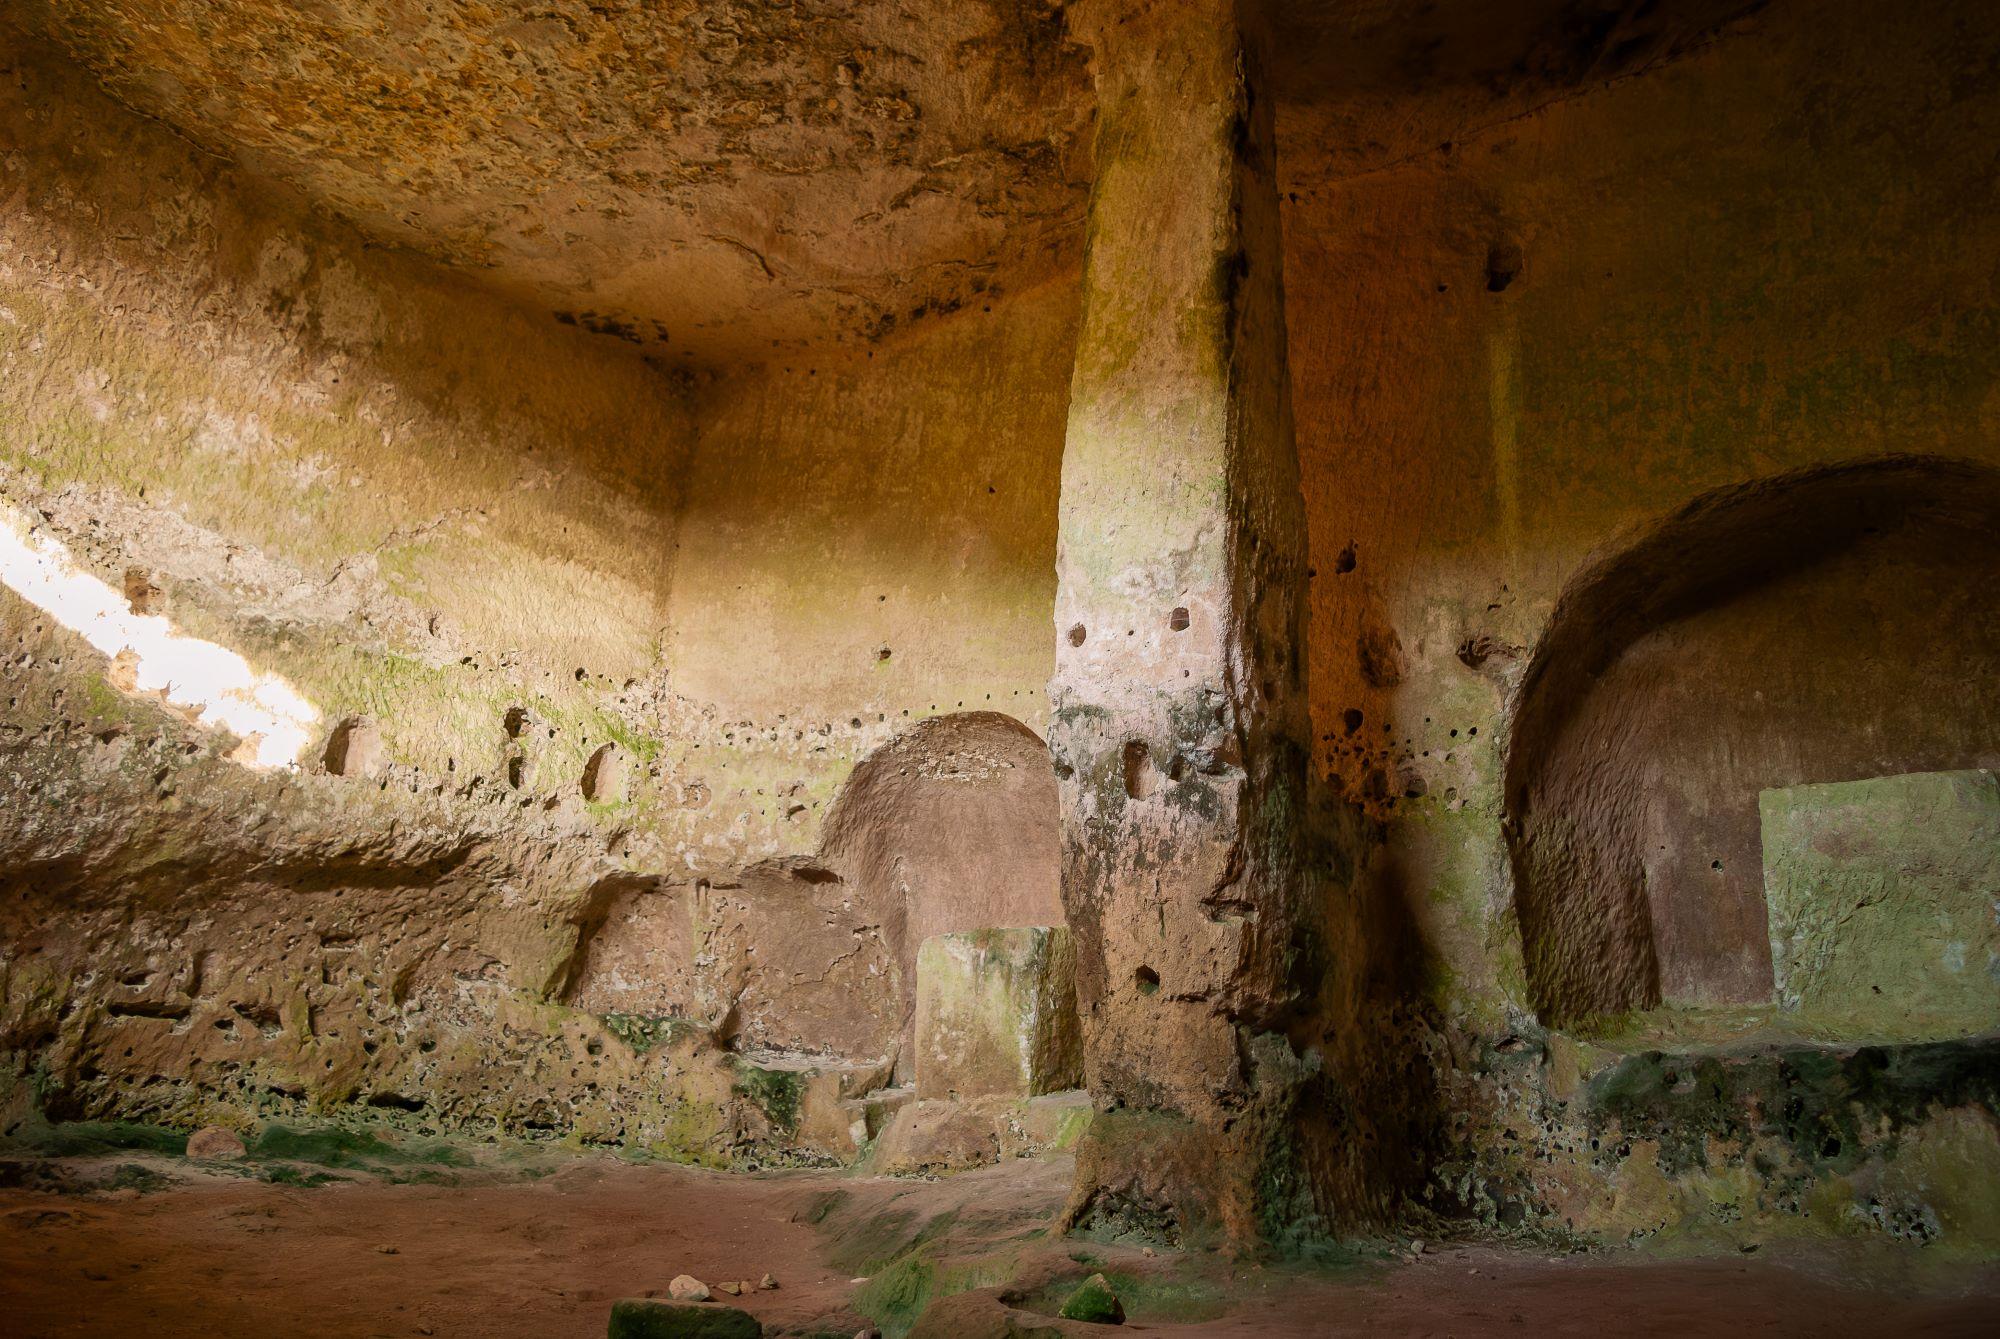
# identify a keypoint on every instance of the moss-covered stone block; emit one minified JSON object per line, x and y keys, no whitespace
{"x":1881,"y":896}
{"x":1094,"y":1302}
{"x":645,"y":1318}
{"x":996,"y":1014}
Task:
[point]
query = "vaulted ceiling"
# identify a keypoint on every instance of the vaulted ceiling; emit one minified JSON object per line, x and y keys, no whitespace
{"x":713,"y":180}
{"x":704,"y":178}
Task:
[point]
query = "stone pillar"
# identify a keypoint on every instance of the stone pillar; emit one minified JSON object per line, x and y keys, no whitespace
{"x":1178,"y":701}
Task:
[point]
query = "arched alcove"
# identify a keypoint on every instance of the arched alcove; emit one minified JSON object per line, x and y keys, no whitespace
{"x":951,"y":826}
{"x":1827,"y":626}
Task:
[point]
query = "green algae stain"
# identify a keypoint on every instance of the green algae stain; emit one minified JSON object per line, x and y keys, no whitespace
{"x":643,"y":1032}
{"x":1832,"y":1108}
{"x":778,"y":1093}
{"x":1881,"y":896}
{"x":78,"y":1139}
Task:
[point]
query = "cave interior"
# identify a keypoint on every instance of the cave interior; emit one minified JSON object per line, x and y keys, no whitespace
{"x":990,"y":667}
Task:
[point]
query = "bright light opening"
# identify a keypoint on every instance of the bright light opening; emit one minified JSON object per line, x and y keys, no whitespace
{"x":211,"y":683}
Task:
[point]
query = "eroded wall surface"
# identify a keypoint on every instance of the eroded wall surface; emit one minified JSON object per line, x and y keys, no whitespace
{"x":1519,"y":352}
{"x":457,"y":528}
{"x":425,"y":511}
{"x":867,"y":542}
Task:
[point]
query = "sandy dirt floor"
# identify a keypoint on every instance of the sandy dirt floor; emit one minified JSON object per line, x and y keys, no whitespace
{"x":216,"y":1256}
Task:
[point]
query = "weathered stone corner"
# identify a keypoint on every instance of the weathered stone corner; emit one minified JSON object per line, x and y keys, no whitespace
{"x":996,"y":1014}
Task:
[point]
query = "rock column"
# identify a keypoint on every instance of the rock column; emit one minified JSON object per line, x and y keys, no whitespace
{"x":1178,"y":701}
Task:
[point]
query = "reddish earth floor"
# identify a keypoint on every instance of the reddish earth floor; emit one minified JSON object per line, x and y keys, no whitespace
{"x":217,"y":1257}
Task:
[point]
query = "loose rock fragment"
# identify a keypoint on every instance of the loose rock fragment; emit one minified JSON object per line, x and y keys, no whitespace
{"x":1094,"y":1302}
{"x":215,"y":1143}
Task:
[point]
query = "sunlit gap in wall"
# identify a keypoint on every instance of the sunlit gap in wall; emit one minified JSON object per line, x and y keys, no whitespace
{"x":211,"y":683}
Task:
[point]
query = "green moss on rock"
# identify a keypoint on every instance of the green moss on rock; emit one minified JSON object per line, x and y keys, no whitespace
{"x":778,"y":1093}
{"x":1094,"y":1302}
{"x":642,"y":1032}
{"x":80,"y":1139}
{"x":645,"y":1318}
{"x":1832,"y":1108}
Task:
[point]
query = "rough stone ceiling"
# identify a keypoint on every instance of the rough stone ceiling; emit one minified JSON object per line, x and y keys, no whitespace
{"x":708,"y":179}
{"x":714,"y":180}
{"x":1365,"y":83}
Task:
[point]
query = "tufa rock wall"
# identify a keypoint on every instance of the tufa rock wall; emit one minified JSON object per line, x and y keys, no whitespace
{"x":1552,"y":340}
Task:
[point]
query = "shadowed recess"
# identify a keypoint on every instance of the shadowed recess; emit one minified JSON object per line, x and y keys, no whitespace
{"x":1829,"y":625}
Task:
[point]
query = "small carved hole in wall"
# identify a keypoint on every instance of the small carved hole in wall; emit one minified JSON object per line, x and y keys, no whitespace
{"x":1345,"y":562}
{"x":604,"y":776}
{"x":1178,"y":620}
{"x":1076,"y":635}
{"x":354,"y":748}
{"x":1147,"y":980}
{"x":1351,"y":719}
{"x":1140,"y":778}
{"x":516,"y":720}
{"x":1503,"y":265}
